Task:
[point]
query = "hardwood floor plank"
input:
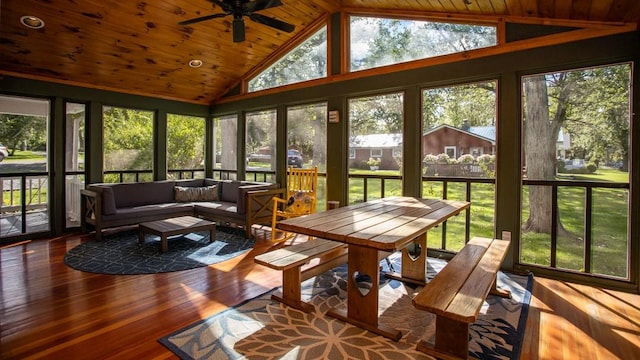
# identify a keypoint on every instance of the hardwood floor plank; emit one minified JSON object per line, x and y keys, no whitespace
{"x":48,"y":310}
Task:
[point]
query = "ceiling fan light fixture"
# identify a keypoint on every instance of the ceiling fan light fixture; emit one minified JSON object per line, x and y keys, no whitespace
{"x":195,"y":63}
{"x":238,"y":29}
{"x":32,"y":22}
{"x":244,"y":8}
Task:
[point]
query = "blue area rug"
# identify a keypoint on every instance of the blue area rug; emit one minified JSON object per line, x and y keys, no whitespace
{"x":121,"y":254}
{"x":265,"y":329}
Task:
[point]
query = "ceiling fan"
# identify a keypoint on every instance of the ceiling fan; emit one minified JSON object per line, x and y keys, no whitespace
{"x":240,"y":8}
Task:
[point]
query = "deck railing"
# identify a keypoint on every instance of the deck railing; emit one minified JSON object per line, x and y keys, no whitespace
{"x":27,"y":192}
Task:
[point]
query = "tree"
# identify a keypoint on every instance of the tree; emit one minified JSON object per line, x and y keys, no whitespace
{"x":307,"y":131}
{"x":128,"y":139}
{"x":453,"y":105}
{"x":541,"y":132}
{"x":23,"y":132}
{"x":305,"y":62}
{"x":593,"y":104}
{"x":603,"y":99}
{"x":185,"y":142}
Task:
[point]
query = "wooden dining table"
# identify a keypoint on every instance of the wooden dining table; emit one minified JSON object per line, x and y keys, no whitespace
{"x":373,"y":230}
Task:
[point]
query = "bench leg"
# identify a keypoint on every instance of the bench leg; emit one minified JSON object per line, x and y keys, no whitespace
{"x":291,"y":290}
{"x":452,"y":340}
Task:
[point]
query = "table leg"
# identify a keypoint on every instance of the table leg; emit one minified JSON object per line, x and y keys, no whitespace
{"x":414,"y":262}
{"x":212,"y":234}
{"x":140,"y":236}
{"x":164,"y":247}
{"x":362,"y":304}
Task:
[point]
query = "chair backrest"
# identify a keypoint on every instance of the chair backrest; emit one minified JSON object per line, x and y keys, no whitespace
{"x":303,"y":180}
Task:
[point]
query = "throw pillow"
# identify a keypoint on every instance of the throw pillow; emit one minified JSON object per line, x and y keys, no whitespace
{"x":299,"y":203}
{"x":189,"y":194}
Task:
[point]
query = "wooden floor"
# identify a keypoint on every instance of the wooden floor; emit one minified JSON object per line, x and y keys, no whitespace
{"x":48,"y":310}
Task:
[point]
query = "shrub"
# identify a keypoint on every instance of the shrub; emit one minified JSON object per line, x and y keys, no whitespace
{"x":430,"y":159}
{"x":561,"y":166}
{"x":486,"y":159}
{"x":443,"y":159}
{"x":466,"y":159}
{"x":373,"y":161}
{"x":591,"y":168}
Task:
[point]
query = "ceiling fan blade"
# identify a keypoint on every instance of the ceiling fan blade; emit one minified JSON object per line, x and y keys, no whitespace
{"x":274,"y":23}
{"x":238,"y":29}
{"x":258,"y":5}
{"x":202,"y":18}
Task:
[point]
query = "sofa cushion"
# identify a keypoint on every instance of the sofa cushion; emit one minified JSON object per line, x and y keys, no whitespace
{"x":108,"y":201}
{"x":201,"y":193}
{"x":191,"y":183}
{"x":137,"y":194}
{"x":211,"y":209}
{"x":138,"y":214}
{"x":229,"y":191}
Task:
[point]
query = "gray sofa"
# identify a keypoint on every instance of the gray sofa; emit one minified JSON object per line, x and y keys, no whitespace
{"x":108,"y":205}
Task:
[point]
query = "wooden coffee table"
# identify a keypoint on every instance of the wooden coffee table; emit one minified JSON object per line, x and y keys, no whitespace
{"x":175,"y":226}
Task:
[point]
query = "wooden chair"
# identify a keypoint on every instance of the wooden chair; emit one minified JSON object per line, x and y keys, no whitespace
{"x":300,"y":199}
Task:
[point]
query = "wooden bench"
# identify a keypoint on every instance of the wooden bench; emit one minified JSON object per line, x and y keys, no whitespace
{"x":456,"y":294}
{"x":295,"y":263}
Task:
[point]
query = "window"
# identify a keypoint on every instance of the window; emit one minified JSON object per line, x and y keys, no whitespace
{"x":225,"y":142}
{"x":261,"y":141}
{"x":24,"y":149}
{"x":307,"y":142}
{"x":450,"y":151}
{"x":459,"y":114}
{"x":378,"y":42}
{"x":74,"y":161}
{"x":128,"y":144}
{"x":589,"y":183}
{"x":375,"y":127}
{"x":185,"y":146}
{"x":307,"y":61}
{"x":458,"y":121}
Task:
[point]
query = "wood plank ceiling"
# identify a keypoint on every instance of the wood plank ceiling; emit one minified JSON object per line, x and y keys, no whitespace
{"x":137,"y":47}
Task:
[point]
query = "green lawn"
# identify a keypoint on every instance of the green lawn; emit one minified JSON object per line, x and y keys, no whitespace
{"x":19,"y":156}
{"x":609,"y":228}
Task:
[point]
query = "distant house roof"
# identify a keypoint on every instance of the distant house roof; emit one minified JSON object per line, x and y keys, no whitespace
{"x":376,"y":141}
{"x":487,"y":133}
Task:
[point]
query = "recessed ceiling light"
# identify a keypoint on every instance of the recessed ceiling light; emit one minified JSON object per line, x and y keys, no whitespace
{"x":195,"y":63}
{"x":32,"y":22}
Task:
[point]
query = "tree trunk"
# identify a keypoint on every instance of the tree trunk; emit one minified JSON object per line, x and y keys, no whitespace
{"x":540,"y":144}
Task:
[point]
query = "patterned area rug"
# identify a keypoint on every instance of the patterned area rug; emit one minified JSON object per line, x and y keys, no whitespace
{"x":121,"y":254}
{"x":264,"y":329}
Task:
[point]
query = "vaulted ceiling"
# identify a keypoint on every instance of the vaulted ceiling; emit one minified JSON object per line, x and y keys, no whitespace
{"x":138,"y":47}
